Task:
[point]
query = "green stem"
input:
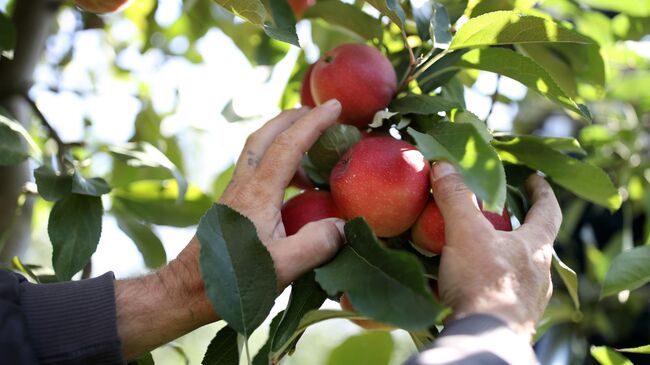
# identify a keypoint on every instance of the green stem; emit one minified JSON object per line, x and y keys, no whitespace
{"x":430,"y":63}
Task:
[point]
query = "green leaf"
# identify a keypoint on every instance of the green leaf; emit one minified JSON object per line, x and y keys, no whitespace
{"x":390,"y":8}
{"x":251,"y":10}
{"x":7,"y":33}
{"x":156,"y":202}
{"x":223,"y":349}
{"x":13,"y":148}
{"x":606,"y":356}
{"x":263,"y":356}
{"x":331,"y":146}
{"x":521,"y":68}
{"x":628,"y":271}
{"x":74,"y":227}
{"x":440,"y":25}
{"x":144,"y":154}
{"x":52,"y":186}
{"x":471,"y":118}
{"x":454,"y":91}
{"x":347,"y":16}
{"x":95,"y":186}
{"x":565,"y":145}
{"x":637,"y":350}
{"x":306,"y":295}
{"x":237,"y":269}
{"x":283,"y":25}
{"x":463,"y":146}
{"x":508,"y":27}
{"x":145,"y":359}
{"x":368,"y":348}
{"x":569,"y":278}
{"x":422,"y":104}
{"x":440,"y":72}
{"x":371,"y":275}
{"x":639,"y":8}
{"x":554,"y":63}
{"x":145,"y":239}
{"x":432,"y":21}
{"x":582,"y":178}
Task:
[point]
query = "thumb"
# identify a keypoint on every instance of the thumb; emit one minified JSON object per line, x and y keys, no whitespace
{"x":314,"y":244}
{"x":453,"y":197}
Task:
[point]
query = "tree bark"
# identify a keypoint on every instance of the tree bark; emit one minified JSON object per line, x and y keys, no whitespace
{"x":33,"y":20}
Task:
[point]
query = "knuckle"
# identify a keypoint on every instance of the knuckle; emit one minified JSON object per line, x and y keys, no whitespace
{"x":284,"y":139}
{"x":449,"y":187}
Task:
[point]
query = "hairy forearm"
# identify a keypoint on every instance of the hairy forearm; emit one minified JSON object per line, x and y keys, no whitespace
{"x":161,"y":307}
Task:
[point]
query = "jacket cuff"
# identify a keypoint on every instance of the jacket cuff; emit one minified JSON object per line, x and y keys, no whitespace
{"x":73,"y":322}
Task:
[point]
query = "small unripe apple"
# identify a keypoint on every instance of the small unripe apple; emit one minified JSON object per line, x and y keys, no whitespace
{"x":102,"y":6}
{"x":305,"y":89}
{"x":363,"y":323}
{"x":359,"y":77}
{"x":428,"y":232}
{"x":385,"y":181}
{"x":299,"y":6}
{"x":309,"y":206}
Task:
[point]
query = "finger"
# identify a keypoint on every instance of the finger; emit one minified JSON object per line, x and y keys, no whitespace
{"x":313,"y":245}
{"x":282,"y":158}
{"x":259,"y":141}
{"x":545,"y":216}
{"x":455,"y":200}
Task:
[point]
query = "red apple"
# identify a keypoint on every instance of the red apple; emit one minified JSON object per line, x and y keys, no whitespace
{"x":384,"y":180}
{"x":500,"y":222}
{"x":358,"y":76}
{"x":305,"y":89}
{"x":299,"y":6}
{"x":309,"y":206}
{"x":428,"y":231}
{"x":363,"y":323}
{"x":101,"y":6}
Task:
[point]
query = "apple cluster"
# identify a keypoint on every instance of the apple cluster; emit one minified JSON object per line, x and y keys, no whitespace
{"x":380,"y":178}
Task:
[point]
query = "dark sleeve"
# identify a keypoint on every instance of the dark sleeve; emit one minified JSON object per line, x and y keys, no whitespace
{"x":71,"y":322}
{"x":477,"y":340}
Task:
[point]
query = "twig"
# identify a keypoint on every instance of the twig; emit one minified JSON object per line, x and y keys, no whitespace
{"x":61,"y":146}
{"x":430,"y":63}
{"x":412,"y":64}
{"x":495,"y":96}
{"x":88,"y":269}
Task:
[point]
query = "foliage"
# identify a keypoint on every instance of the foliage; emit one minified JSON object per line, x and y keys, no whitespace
{"x":571,"y":54}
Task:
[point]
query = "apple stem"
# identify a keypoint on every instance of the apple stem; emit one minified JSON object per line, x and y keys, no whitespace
{"x":430,"y":62}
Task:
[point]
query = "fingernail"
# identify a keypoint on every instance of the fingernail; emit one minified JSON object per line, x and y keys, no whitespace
{"x":442,"y":169}
{"x":340,"y":225}
{"x":331,"y":103}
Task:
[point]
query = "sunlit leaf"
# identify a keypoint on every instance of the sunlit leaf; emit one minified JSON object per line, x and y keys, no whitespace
{"x":369,"y":348}
{"x":390,"y":8}
{"x":582,"y":178}
{"x":631,"y":7}
{"x":462,"y":145}
{"x":512,"y":64}
{"x":347,"y":16}
{"x":507,"y":27}
{"x":637,"y":350}
{"x":606,"y":356}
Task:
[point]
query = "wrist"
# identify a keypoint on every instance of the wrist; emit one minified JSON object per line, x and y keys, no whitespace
{"x":182,"y":282}
{"x":512,"y":313}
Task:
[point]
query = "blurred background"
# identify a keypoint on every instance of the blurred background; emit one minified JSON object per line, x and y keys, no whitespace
{"x":193,"y":80}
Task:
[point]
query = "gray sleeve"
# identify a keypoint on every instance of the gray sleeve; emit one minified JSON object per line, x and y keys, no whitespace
{"x":72,"y":322}
{"x":477,"y":340}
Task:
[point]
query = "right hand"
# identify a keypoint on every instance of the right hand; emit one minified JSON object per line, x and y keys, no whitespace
{"x":482,"y":270}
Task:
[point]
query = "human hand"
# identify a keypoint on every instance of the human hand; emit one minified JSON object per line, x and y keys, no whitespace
{"x":482,"y":270}
{"x":173,"y":302}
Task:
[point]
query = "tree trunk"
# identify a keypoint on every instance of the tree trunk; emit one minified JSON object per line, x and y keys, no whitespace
{"x":33,"y":20}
